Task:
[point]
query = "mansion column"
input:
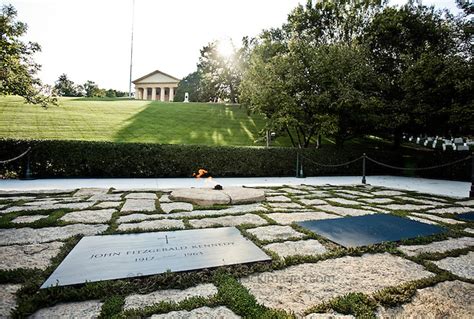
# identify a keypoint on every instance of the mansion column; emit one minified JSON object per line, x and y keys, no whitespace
{"x":153,"y":94}
{"x":162,"y":94}
{"x":137,"y":93}
{"x":171,"y":94}
{"x":145,"y":94}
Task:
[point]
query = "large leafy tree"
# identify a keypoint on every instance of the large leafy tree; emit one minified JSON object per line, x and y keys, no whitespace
{"x":17,"y":67}
{"x":65,"y":87}
{"x":190,"y":84}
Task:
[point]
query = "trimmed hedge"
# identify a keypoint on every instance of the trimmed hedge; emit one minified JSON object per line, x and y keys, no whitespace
{"x":49,"y":158}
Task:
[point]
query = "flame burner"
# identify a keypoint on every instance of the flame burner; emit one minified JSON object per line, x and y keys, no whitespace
{"x":218,"y":187}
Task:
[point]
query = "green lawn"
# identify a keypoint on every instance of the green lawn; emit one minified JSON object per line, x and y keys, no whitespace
{"x":122,"y":120}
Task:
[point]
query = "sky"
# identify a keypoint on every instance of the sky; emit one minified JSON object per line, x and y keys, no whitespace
{"x":90,"y":39}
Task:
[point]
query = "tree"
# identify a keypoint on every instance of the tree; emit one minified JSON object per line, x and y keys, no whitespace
{"x":65,"y":87}
{"x":91,"y":89}
{"x":192,"y":85}
{"x":17,"y":68}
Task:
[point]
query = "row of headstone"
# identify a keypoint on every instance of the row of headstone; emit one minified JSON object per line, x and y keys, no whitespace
{"x":456,"y":144}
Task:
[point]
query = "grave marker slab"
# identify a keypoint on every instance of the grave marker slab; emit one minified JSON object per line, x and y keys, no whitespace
{"x":369,"y":229}
{"x":97,"y":258}
{"x":469,"y":216}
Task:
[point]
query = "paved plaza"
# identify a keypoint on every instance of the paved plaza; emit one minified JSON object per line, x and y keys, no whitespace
{"x":308,"y":275}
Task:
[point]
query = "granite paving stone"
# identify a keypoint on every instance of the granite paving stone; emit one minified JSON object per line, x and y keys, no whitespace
{"x":233,"y":210}
{"x":288,"y":218}
{"x":439,"y":219}
{"x":356,"y":193}
{"x":176,"y":206}
{"x":138,"y":205}
{"x":97,"y":216}
{"x":377,"y":200}
{"x":87,"y":192}
{"x":165,"y":199}
{"x":388,"y":193}
{"x":407,"y":207}
{"x":308,"y":247}
{"x":293,"y":191}
{"x":220,"y":312}
{"x":153,"y":224}
{"x":462,"y":266}
{"x":300,"y":287}
{"x":285,"y":206}
{"x":274,"y":232}
{"x":346,"y":211}
{"x":138,"y":217}
{"x":281,"y":199}
{"x":438,"y":246}
{"x":41,"y":235}
{"x":141,"y":196}
{"x":29,"y":256}
{"x":28,"y":219}
{"x":7,"y":299}
{"x":79,"y":205}
{"x":343,"y":201}
{"x":421,"y":201}
{"x":228,"y":221}
{"x":449,"y":299}
{"x":83,"y":309}
{"x":108,"y":204}
{"x":466,"y":203}
{"x":171,"y":295}
{"x":106,"y":197}
{"x":422,"y":220}
{"x":313,"y":202}
{"x":328,"y":316}
{"x":469,"y":230}
{"x":450,"y":210}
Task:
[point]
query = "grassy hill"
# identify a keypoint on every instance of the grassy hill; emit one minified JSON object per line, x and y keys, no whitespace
{"x":122,"y":120}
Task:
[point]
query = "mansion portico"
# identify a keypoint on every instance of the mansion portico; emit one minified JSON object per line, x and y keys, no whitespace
{"x":156,"y":86}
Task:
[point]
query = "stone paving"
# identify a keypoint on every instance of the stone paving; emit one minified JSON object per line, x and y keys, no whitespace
{"x":35,"y":225}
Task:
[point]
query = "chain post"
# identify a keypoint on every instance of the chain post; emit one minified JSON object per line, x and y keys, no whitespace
{"x":364,"y":181}
{"x":28,"y":169}
{"x":301,"y":172}
{"x":471,"y":193}
{"x":297,"y":164}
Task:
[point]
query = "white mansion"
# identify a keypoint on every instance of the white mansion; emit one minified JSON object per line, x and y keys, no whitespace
{"x":156,"y":85}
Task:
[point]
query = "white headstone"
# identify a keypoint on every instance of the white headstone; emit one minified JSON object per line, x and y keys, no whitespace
{"x":458,"y":140}
{"x":186,"y":97}
{"x":462,"y":148}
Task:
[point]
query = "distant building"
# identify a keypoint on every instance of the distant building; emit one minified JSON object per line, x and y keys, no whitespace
{"x":156,"y":86}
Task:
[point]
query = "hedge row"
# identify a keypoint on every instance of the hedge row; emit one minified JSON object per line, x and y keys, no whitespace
{"x":49,"y":159}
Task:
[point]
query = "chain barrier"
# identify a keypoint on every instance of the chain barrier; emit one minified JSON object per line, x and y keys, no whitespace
{"x":331,"y":165}
{"x":15,"y":158}
{"x":418,"y":168}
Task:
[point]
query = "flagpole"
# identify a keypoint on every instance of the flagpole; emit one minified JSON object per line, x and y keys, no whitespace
{"x":131,"y":53}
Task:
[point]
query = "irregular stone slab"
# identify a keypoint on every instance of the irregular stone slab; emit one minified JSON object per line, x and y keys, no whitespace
{"x":80,"y":205}
{"x":154,"y":224}
{"x":89,"y":216}
{"x":328,"y":316}
{"x":106,"y":197}
{"x":466,"y":203}
{"x":198,"y":313}
{"x":7,"y":299}
{"x":42,"y":235}
{"x":349,"y":196}
{"x":462,"y":266}
{"x":108,"y":204}
{"x":289,"y":218}
{"x":16,"y":198}
{"x":343,"y":201}
{"x":450,"y":210}
{"x":450,"y":299}
{"x":275,"y":232}
{"x":422,"y":201}
{"x":469,"y":230}
{"x":41,"y":203}
{"x":141,"y":196}
{"x":228,"y":221}
{"x":285,"y":205}
{"x":293,"y":191}
{"x":84,"y":310}
{"x":280,"y":199}
{"x":422,"y":220}
{"x":356,"y":193}
{"x":309,"y":247}
{"x":137,"y":218}
{"x":438,"y":246}
{"x":377,"y":200}
{"x":165,"y":199}
{"x":388,"y":193}
{"x":139,"y":205}
{"x":313,"y":202}
{"x":346,"y":211}
{"x":28,"y":219}
{"x":407,"y":207}
{"x":320,"y":194}
{"x":86,"y":192}
{"x":29,"y":256}
{"x":176,"y":206}
{"x":299,"y":287}
{"x":439,"y":219}
{"x":234,"y":210}
{"x":243,"y":195}
{"x":170,"y":295}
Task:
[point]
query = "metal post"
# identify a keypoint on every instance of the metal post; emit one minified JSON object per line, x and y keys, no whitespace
{"x":131,"y":53}
{"x":363,"y":169}
{"x":471,"y":193}
{"x":268,"y":138}
{"x":301,"y":168}
{"x":28,"y":170}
